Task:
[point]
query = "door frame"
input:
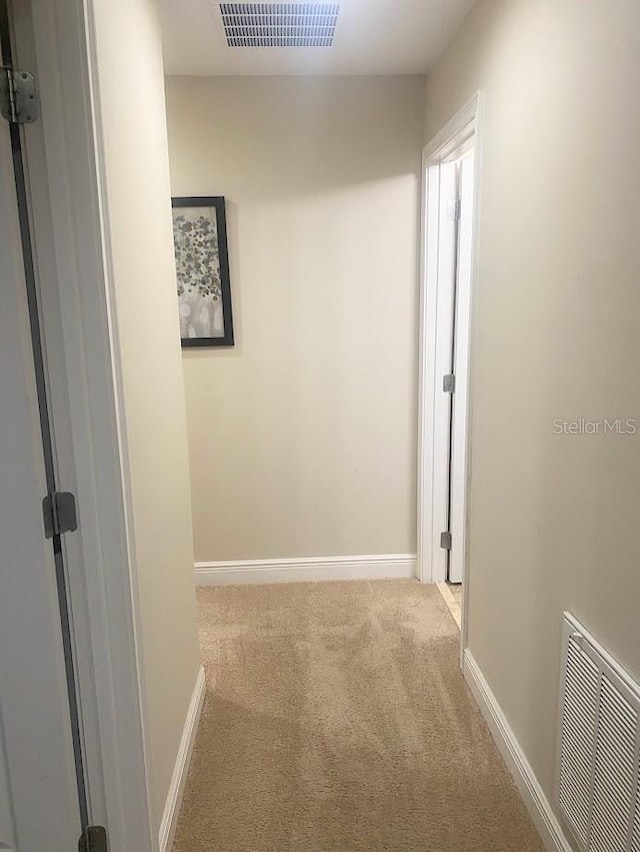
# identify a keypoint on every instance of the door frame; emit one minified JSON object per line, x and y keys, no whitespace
{"x":466,"y":125}
{"x":85,"y":372}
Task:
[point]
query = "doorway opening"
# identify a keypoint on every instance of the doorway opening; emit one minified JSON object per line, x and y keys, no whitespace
{"x":450,"y":201}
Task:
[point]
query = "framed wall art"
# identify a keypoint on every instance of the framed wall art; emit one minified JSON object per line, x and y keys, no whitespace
{"x":202,"y":267}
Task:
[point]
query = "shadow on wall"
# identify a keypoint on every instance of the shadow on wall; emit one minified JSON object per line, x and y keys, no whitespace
{"x":294,"y":135}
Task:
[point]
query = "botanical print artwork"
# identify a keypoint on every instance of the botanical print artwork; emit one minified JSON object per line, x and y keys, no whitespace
{"x":195,"y":233}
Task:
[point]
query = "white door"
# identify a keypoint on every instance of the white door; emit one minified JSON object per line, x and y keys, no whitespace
{"x":40,"y":806}
{"x":461,"y":342}
{"x":453,"y":304}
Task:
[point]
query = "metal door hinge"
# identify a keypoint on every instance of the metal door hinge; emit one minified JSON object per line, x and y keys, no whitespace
{"x":59,"y":513}
{"x":445,"y":540}
{"x":94,"y":839}
{"x":18,"y":96}
{"x":449,"y":383}
{"x":455,"y":209}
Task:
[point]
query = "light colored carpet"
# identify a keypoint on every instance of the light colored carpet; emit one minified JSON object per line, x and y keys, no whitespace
{"x":339,"y":722}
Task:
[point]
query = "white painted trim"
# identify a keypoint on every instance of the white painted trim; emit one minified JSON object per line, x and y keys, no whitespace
{"x":465,"y":127}
{"x":455,"y":133}
{"x":385,"y":566}
{"x":443,"y":322}
{"x":532,"y":793}
{"x":460,"y":400}
{"x":181,"y":768}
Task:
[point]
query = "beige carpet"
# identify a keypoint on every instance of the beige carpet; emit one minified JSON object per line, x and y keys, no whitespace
{"x":339,"y":721}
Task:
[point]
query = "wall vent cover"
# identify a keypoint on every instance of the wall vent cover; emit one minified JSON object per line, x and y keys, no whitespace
{"x":279,"y":24}
{"x":599,"y":755}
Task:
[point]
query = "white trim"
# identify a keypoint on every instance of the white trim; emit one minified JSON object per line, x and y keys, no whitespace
{"x":442,"y":282}
{"x":181,"y":768}
{"x":537,"y":803}
{"x":454,"y":136}
{"x":295,"y":570}
{"x":460,"y":400}
{"x":455,"y":133}
{"x":464,"y":128}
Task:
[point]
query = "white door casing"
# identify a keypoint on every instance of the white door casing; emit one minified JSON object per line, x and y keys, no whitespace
{"x":457,"y":519}
{"x":463,"y":131}
{"x":444,"y":310}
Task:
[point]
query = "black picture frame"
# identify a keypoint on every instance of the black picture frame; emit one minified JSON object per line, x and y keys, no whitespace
{"x":217,"y":203}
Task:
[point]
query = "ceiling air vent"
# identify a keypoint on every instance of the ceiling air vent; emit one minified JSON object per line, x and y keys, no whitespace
{"x":279,"y":24}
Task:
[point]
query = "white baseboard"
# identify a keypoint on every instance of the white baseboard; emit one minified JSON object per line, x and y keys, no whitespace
{"x":294,"y":570}
{"x":537,"y":803}
{"x":181,"y":767}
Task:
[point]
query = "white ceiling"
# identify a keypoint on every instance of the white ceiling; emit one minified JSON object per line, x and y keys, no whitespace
{"x":372,"y":37}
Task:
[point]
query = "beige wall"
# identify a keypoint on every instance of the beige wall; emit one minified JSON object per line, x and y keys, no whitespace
{"x":554,"y":518}
{"x":143,"y":274}
{"x":302,"y":438}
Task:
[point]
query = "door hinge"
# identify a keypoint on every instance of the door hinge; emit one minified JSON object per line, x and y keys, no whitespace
{"x":449,"y":383}
{"x":445,"y":540}
{"x":94,"y":839}
{"x":18,"y":96}
{"x":59,"y":513}
{"x":455,"y":209}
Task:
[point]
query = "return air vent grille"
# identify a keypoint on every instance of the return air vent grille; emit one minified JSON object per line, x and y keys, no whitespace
{"x":598,"y":767}
{"x":635,"y":842}
{"x":578,"y":728}
{"x":279,"y":24}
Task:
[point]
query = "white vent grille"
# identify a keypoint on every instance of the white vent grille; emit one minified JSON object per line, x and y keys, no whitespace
{"x":598,"y":766}
{"x":578,"y":729}
{"x":635,"y":842}
{"x":279,"y":24}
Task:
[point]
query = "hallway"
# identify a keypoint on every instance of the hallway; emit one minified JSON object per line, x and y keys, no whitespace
{"x":341,"y":721}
